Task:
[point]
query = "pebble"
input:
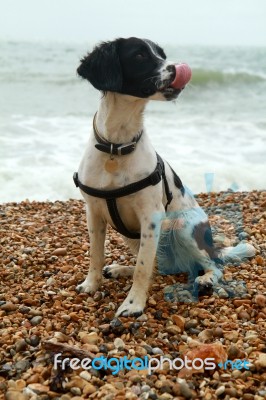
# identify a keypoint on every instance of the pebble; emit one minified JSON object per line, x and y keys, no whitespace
{"x":65,"y":268}
{"x":66,"y":397}
{"x":184,"y":388}
{"x":152,"y":302}
{"x":115,"y":323}
{"x":61,"y":251}
{"x":35,"y":378}
{"x":179,"y":321}
{"x":243,"y":235}
{"x":166,"y":396}
{"x":89,"y":389}
{"x":218,"y":332}
{"x":205,"y":335}
{"x":50,"y":281}
{"x":236,"y":373}
{"x":136,"y":390}
{"x":8,"y":306}
{"x":241,"y":302}
{"x":142,"y":318}
{"x":260,"y":299}
{"x":223,"y":294}
{"x":85,"y":375}
{"x":119,"y":344}
{"x":22,"y":365}
{"x":36,"y":320}
{"x":260,"y":260}
{"x":261,"y":361}
{"x":76,"y":382}
{"x":140,"y":351}
{"x":145,"y":388}
{"x":76,"y":391}
{"x":192,"y":323}
{"x":61,"y":337}
{"x":233,"y":352}
{"x":157,"y":350}
{"x":251,"y":335}
{"x":90,"y":338}
{"x":232,"y":392}
{"x":34,"y":340}
{"x":220,"y":390}
{"x":15,"y":395}
{"x":38,"y":388}
{"x":194,"y":331}
{"x":35,"y":312}
{"x":148,"y":349}
{"x":24,"y":310}
{"x":244,"y":315}
{"x":20,"y":345}
{"x":51,"y":293}
{"x":173,"y":329}
{"x":231,"y":335}
{"x":103,"y":349}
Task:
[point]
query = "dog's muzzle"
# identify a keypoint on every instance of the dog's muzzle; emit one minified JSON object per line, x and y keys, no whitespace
{"x":177,"y":78}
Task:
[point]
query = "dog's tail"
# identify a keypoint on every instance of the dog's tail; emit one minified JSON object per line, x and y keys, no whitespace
{"x":237,"y":253}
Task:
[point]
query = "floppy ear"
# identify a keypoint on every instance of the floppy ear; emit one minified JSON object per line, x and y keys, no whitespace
{"x":102,"y":67}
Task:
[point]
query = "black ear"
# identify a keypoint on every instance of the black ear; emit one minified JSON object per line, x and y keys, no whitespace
{"x":102,"y":67}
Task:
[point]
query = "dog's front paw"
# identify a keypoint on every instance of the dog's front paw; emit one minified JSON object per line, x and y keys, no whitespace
{"x":132,"y":306}
{"x":88,"y":286}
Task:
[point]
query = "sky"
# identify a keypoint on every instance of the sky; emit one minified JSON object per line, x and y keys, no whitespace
{"x":180,"y":22}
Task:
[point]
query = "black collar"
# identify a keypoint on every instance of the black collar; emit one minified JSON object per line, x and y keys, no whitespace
{"x":118,"y":149}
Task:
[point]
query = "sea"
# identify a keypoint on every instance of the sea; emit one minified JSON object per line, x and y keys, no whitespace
{"x":214,"y":135}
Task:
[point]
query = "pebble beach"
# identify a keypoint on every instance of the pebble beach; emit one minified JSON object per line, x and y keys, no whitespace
{"x":44,"y":254}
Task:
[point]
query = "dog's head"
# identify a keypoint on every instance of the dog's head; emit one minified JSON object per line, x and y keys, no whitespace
{"x":131,"y":66}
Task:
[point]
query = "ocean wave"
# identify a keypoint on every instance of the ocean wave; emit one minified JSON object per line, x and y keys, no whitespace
{"x":200,"y":77}
{"x":38,"y":77}
{"x":203,"y":77}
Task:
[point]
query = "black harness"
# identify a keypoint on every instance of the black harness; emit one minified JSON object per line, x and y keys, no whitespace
{"x":111,"y":195}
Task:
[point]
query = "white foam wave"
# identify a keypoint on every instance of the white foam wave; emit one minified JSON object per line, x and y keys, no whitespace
{"x":39,"y":155}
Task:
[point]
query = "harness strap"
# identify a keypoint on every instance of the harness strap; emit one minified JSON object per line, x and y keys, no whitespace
{"x":111,"y":195}
{"x":119,"y":224}
{"x":177,"y":181}
{"x":134,"y":187}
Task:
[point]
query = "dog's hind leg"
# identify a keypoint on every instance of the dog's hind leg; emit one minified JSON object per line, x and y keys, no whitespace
{"x":97,"y":231}
{"x":205,"y":256}
{"x":118,"y":271}
{"x":122,"y":271}
{"x":186,"y":245}
{"x":211,"y":276}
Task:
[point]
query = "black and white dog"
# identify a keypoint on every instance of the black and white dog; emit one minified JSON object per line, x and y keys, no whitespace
{"x":126,"y":184}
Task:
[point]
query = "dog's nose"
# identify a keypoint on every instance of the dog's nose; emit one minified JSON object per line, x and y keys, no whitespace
{"x":170,"y":68}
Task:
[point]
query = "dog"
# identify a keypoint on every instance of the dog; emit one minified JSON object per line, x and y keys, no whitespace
{"x":126,"y":184}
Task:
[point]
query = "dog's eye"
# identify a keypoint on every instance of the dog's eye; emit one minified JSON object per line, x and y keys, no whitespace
{"x":140,"y":56}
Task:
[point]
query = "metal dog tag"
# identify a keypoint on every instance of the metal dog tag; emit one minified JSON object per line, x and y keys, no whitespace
{"x":111,"y":165}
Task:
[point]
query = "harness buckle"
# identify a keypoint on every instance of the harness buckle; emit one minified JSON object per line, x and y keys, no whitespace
{"x":156,"y":177}
{"x":126,"y":148}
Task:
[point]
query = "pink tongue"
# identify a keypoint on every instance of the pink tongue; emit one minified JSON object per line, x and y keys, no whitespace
{"x":182,"y":76}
